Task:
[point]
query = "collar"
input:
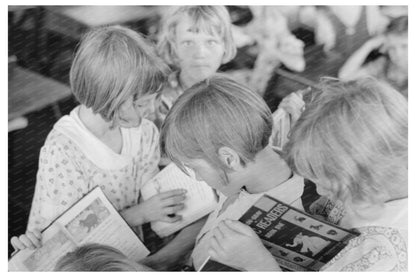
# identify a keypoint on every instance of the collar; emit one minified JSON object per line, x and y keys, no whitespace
{"x":94,"y":149}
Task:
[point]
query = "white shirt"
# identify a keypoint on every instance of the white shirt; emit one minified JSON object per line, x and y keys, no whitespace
{"x":288,"y":192}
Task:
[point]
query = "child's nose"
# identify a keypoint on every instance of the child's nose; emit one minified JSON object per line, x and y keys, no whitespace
{"x":200,"y":51}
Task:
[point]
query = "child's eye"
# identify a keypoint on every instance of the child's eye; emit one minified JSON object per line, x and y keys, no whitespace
{"x":187,"y":43}
{"x":212,"y":42}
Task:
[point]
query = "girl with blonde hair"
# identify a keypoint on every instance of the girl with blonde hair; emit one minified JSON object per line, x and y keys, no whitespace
{"x":195,"y":41}
{"x":105,"y":141}
{"x":351,"y":140}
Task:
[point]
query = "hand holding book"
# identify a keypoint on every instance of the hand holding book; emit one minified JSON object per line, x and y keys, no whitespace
{"x":160,"y":207}
{"x":237,"y":245}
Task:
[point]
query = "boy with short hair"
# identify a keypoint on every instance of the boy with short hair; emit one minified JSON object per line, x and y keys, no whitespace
{"x":220,"y":129}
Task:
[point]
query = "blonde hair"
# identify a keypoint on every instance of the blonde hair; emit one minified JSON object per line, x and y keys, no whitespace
{"x":352,"y":137}
{"x":212,"y":114}
{"x":97,"y":257}
{"x":112,"y":64}
{"x":209,"y":19}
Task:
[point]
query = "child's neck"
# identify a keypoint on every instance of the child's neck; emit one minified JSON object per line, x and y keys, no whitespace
{"x":94,"y":122}
{"x":187,"y":80}
{"x":101,"y":129}
{"x":268,"y":171}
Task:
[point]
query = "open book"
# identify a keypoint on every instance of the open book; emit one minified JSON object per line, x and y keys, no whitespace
{"x":92,"y":219}
{"x":200,"y":198}
{"x":298,"y":241}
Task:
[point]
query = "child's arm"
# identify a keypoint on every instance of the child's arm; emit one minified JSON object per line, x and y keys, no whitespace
{"x":175,"y":252}
{"x":353,"y":67}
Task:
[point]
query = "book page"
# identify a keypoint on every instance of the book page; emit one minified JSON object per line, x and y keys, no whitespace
{"x":200,"y":198}
{"x":91,"y":220}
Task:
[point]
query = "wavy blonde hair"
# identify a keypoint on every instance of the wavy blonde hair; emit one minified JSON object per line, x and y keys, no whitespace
{"x":209,"y":19}
{"x":352,"y":138}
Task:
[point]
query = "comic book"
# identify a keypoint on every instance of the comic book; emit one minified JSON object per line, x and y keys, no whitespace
{"x":298,"y":241}
{"x":200,"y":198}
{"x":93,"y":219}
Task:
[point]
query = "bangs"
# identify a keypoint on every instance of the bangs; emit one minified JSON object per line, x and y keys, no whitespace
{"x":206,"y":23}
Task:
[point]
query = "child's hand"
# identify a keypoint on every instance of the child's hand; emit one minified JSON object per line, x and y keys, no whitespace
{"x":31,"y":240}
{"x":237,"y":245}
{"x":377,"y":42}
{"x":293,"y":104}
{"x":163,"y":206}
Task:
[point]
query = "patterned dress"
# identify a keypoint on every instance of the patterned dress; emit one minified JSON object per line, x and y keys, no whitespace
{"x":382,"y":245}
{"x":73,"y":161}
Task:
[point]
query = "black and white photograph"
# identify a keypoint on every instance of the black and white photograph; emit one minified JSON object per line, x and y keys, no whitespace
{"x":255,"y":137}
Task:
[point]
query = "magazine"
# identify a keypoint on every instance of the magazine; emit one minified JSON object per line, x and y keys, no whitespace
{"x":200,"y":198}
{"x":298,"y":241}
{"x":92,"y":219}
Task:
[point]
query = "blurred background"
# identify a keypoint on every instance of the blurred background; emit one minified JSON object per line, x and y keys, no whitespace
{"x":280,"y":49}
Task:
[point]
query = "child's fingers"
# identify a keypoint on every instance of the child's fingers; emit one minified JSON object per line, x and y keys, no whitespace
{"x":171,"y":193}
{"x":225,"y":230}
{"x":173,"y":209}
{"x":218,"y":233}
{"x":218,"y":250}
{"x":37,"y":233}
{"x":172,"y":218}
{"x":239,"y":227}
{"x":17,"y":244}
{"x":35,"y":241}
{"x":174,"y":200}
{"x":26,"y":242}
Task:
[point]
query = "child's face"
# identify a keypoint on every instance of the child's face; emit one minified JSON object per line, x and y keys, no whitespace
{"x":210,"y":175}
{"x":396,"y":47}
{"x":199,"y":54}
{"x":134,"y":109}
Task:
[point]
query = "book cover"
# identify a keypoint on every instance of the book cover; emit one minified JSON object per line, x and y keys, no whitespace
{"x":298,"y":241}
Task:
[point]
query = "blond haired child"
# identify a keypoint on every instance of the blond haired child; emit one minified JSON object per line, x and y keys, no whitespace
{"x":97,"y":257}
{"x":195,"y":41}
{"x":220,"y":129}
{"x":105,"y":141}
{"x":351,"y":140}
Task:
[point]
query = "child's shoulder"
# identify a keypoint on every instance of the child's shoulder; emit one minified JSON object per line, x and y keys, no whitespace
{"x":376,"y":249}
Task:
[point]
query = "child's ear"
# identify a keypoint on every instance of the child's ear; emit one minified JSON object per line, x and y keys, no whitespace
{"x":229,"y":157}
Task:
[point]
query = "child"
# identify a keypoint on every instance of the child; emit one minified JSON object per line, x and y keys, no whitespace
{"x":97,"y":257}
{"x":391,"y":66}
{"x":351,"y":140}
{"x":195,"y":41}
{"x":220,"y":129}
{"x":104,"y":141}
